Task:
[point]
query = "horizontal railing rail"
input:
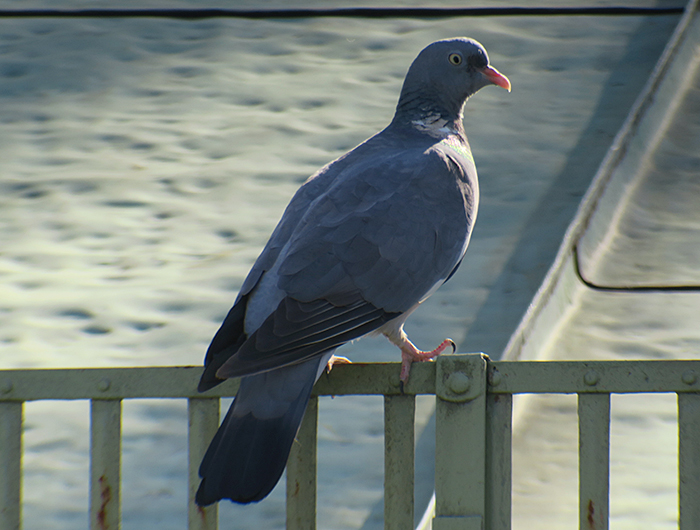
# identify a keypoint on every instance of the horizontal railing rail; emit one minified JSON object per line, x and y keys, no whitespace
{"x":473,"y":432}
{"x":505,"y":377}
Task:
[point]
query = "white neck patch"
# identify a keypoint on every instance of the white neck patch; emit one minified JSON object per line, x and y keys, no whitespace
{"x":434,"y":125}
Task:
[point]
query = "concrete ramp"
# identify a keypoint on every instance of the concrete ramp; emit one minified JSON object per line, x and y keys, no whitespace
{"x":625,"y":285}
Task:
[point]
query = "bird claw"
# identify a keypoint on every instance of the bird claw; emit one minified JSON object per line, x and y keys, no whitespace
{"x":336,"y":359}
{"x":411,"y":354}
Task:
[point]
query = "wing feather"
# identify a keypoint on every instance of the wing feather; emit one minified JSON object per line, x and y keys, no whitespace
{"x":275,"y":343}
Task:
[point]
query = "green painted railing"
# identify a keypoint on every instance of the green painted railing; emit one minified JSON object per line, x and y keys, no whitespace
{"x":473,"y":433}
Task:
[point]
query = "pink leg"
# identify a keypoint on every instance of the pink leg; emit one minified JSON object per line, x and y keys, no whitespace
{"x":411,"y":354}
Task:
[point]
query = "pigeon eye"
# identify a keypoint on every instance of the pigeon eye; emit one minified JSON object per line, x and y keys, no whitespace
{"x":455,"y":59}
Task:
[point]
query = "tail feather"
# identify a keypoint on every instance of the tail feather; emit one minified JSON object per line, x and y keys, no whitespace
{"x":246,"y":458}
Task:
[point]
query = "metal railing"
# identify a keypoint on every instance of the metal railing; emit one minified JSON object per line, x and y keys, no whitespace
{"x":473,"y":433}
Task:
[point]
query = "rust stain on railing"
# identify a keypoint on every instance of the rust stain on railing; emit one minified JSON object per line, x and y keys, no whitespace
{"x":591,"y":513}
{"x":106,"y":496}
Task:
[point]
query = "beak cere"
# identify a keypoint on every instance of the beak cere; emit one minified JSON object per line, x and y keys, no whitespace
{"x":496,"y":77}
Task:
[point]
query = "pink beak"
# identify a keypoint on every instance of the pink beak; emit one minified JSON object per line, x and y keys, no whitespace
{"x":496,"y":77}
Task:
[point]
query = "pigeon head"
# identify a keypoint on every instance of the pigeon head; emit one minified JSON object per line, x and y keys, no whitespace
{"x":443,"y":76}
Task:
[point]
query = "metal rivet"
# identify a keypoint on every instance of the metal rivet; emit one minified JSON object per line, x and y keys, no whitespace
{"x":458,"y":382}
{"x":6,"y":386}
{"x":495,"y":378}
{"x":689,"y":377}
{"x":104,"y":384}
{"x":591,"y":378}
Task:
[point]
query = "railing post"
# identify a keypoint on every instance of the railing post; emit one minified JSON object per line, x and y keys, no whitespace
{"x":301,"y":473}
{"x":105,"y":464}
{"x":594,"y":460}
{"x":399,"y":455}
{"x":203,"y":421}
{"x":499,"y":436}
{"x":10,"y":464}
{"x":689,"y":460}
{"x":460,"y":431}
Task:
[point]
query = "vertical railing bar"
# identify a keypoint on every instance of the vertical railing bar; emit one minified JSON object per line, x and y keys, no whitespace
{"x":689,"y":460}
{"x":105,"y":463}
{"x":499,"y":429}
{"x":203,"y":421}
{"x":301,"y":473}
{"x":460,"y":442}
{"x":11,"y":465}
{"x":594,"y":460}
{"x":399,"y":455}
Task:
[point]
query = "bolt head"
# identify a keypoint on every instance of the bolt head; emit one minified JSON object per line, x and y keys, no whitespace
{"x":689,"y":377}
{"x":103,"y":384}
{"x":6,"y":386}
{"x":495,"y":378}
{"x":591,"y":378}
{"x":458,"y":382}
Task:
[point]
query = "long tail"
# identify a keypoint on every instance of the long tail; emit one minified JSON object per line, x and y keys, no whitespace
{"x":247,"y":456}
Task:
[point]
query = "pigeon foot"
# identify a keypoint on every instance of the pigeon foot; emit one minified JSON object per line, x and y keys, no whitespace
{"x":336,"y":359}
{"x":410,"y":354}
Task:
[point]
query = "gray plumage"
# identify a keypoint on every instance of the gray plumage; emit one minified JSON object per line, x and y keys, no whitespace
{"x":361,"y":244}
